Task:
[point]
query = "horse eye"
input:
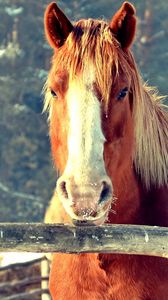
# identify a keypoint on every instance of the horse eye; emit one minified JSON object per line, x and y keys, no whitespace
{"x":122,"y":94}
{"x":53,"y":93}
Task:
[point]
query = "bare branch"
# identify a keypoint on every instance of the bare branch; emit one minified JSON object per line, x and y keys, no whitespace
{"x":5,"y":189}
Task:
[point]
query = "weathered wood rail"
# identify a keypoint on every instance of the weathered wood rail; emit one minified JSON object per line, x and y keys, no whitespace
{"x":123,"y":239}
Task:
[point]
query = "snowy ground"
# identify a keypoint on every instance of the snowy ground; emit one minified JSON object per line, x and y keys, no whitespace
{"x":8,"y":258}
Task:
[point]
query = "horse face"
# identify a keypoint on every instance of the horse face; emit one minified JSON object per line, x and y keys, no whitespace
{"x":84,"y":187}
{"x":89,"y":143}
{"x":82,"y":132}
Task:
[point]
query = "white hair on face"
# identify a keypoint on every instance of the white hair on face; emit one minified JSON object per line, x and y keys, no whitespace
{"x":85,"y":138}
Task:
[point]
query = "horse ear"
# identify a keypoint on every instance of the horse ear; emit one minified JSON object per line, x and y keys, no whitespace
{"x":123,"y":24}
{"x":57,"y":26}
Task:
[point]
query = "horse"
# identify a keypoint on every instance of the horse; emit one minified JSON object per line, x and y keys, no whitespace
{"x":108,"y":132}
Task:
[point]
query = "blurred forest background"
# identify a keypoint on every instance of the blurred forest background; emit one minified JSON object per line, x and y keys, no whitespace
{"x":27,"y":176}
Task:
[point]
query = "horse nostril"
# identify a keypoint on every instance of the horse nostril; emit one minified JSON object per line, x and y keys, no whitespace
{"x":105,"y":193}
{"x":63,"y":189}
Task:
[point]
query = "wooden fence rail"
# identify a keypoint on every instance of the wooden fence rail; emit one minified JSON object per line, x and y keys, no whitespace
{"x":123,"y":239}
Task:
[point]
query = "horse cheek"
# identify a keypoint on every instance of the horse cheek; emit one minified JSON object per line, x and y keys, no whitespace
{"x":59,"y":125}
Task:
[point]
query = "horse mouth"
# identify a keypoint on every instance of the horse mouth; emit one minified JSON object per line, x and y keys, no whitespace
{"x":85,"y":219}
{"x":90,"y":221}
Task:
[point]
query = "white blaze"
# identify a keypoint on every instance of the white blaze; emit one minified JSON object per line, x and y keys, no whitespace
{"x":85,"y":137}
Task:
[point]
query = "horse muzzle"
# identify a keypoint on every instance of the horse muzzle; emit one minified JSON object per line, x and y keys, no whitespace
{"x":86,"y":203}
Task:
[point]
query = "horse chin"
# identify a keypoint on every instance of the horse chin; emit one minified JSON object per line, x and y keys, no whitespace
{"x":89,"y":222}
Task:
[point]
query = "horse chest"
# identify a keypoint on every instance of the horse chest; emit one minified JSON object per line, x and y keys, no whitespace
{"x":136,"y":277}
{"x":108,"y":277}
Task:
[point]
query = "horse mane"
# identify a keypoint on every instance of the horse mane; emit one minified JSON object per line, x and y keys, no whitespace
{"x":92,"y":41}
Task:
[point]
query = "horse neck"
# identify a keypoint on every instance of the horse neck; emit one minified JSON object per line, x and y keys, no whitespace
{"x":134,"y":203}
